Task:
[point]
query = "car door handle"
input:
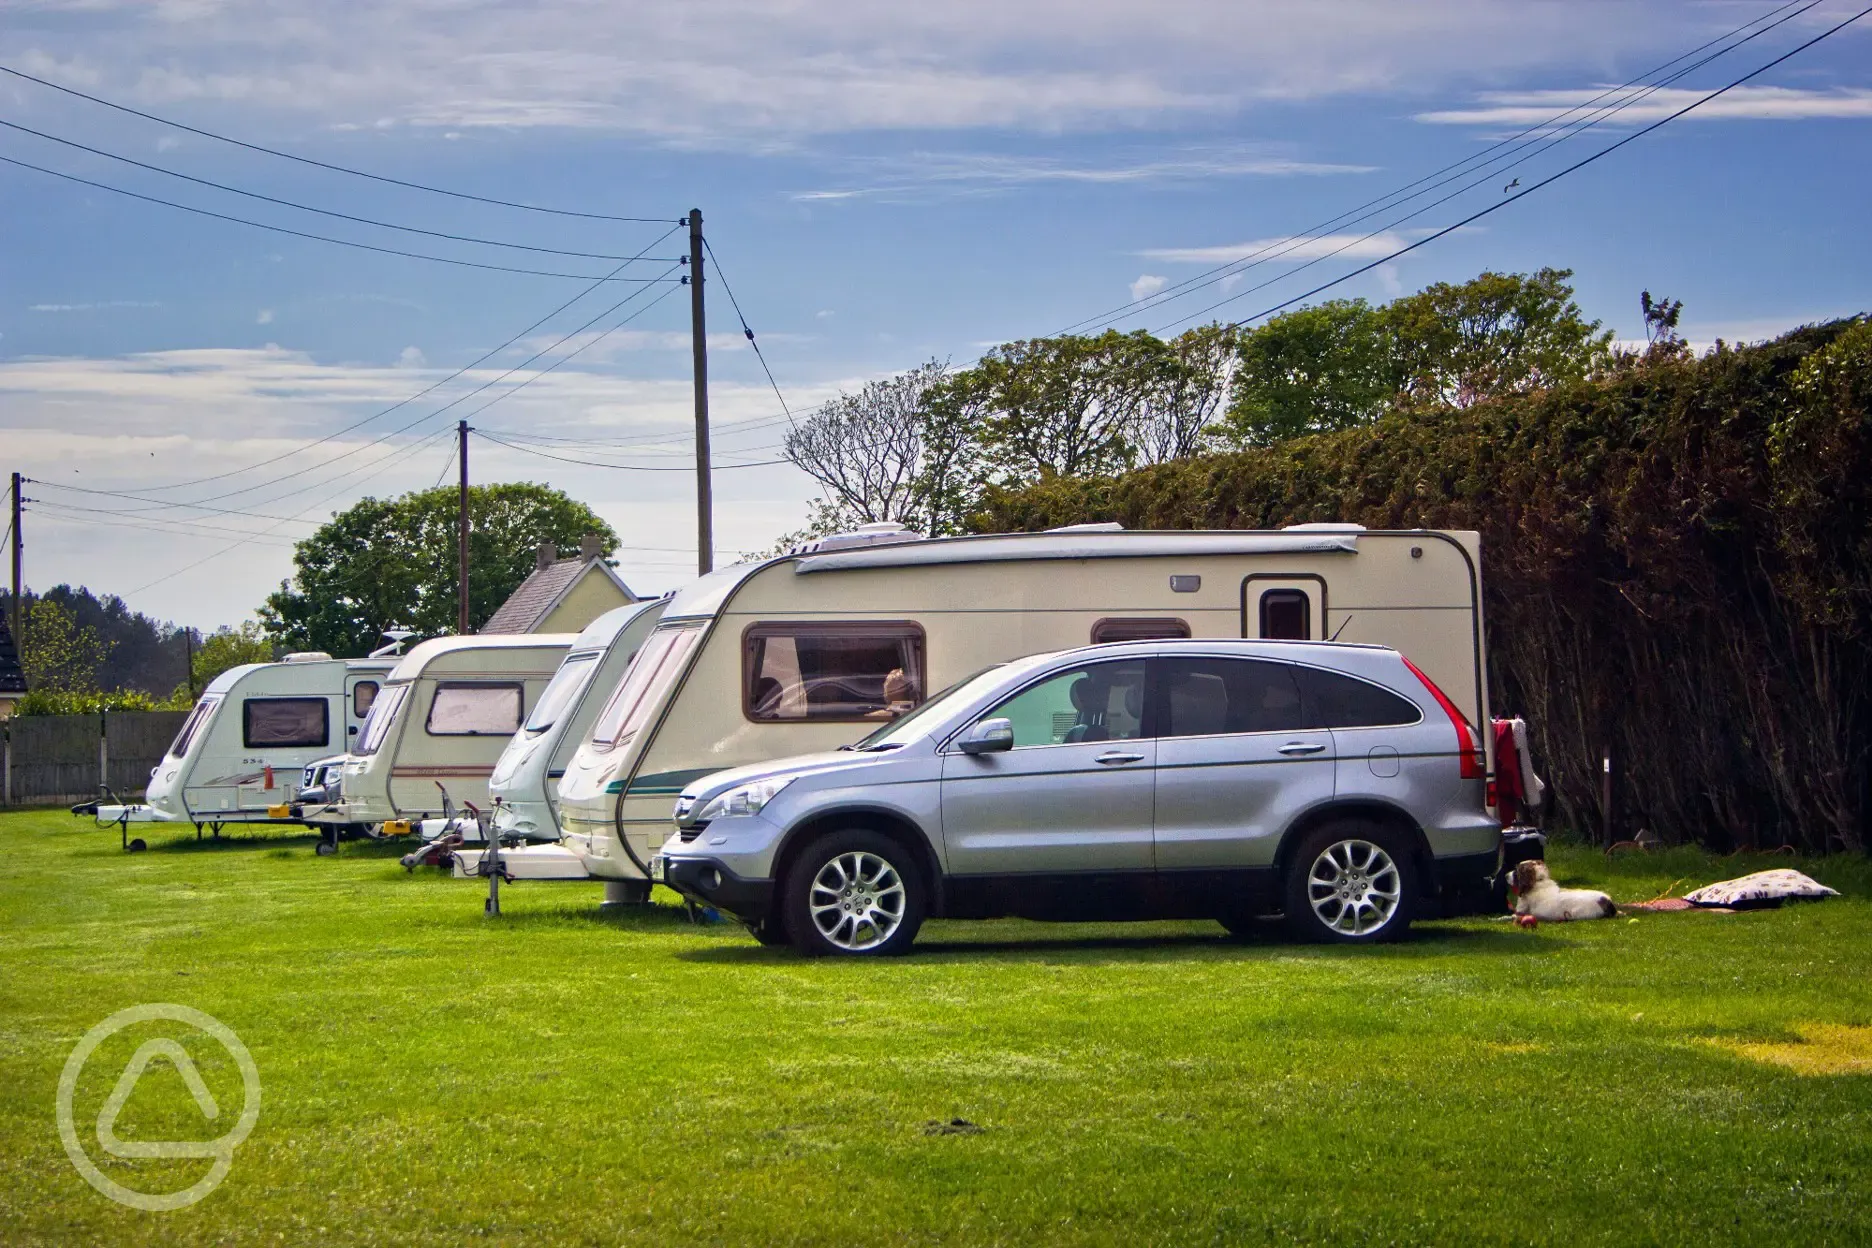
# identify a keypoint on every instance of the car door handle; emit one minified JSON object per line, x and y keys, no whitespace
{"x":1113,"y":758}
{"x":1302,"y":747}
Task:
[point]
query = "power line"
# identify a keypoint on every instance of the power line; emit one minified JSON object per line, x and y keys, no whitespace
{"x":325,"y":212}
{"x":1540,"y":146}
{"x":320,"y":164}
{"x":401,"y":403}
{"x":320,"y":238}
{"x":570,"y":355}
{"x":382,"y":467}
{"x":1455,"y":169}
{"x":1552,"y":178}
{"x":586,"y":463}
{"x":722,"y":277}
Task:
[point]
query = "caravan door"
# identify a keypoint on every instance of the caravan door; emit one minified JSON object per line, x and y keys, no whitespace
{"x":360,"y":690}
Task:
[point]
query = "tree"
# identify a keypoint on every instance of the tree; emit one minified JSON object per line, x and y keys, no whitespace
{"x":391,"y":562}
{"x":1056,"y":407}
{"x":1500,"y":333}
{"x":1312,"y":370}
{"x":1183,"y":387}
{"x":230,"y":647}
{"x":879,"y":456}
{"x":58,"y":654}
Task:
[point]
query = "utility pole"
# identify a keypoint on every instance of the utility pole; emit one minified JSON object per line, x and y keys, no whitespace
{"x":14,"y":602}
{"x":461,"y":551}
{"x":698,"y":329}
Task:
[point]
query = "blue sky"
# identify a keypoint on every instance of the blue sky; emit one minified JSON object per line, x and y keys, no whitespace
{"x":883,"y":184}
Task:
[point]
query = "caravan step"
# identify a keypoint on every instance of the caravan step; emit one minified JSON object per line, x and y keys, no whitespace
{"x":534,"y":862}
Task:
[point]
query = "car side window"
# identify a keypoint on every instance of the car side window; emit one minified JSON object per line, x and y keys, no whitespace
{"x":1209,"y":696}
{"x":1335,"y":700}
{"x":1097,"y":702}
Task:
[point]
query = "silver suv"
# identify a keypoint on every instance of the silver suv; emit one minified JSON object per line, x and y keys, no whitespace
{"x":1331,"y":784}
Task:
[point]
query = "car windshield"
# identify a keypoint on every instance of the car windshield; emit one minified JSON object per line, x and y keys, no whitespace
{"x":903,"y":730}
{"x":563,"y":689}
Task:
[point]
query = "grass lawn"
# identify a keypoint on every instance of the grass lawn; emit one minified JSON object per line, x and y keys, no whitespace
{"x":432,"y":1076}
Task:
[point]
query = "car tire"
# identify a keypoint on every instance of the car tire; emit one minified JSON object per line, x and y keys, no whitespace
{"x":853,"y":893}
{"x":770,"y":931}
{"x":1350,"y":882}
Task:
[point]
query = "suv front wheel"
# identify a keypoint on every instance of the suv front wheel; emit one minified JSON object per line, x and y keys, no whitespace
{"x":1351,"y":882}
{"x":854,"y":893}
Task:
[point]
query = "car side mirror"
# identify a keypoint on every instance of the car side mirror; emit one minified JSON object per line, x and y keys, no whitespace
{"x":990,"y":736}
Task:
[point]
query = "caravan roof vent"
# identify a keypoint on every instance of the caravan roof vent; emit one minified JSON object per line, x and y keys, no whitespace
{"x":1097,"y":526}
{"x":306,"y":656}
{"x":1329,"y":526}
{"x":881,"y":533}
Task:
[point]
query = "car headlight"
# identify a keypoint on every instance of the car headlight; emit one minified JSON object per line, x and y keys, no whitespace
{"x":746,"y":800}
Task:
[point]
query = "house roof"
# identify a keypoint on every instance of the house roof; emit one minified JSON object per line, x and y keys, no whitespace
{"x":545,"y":589}
{"x":12,"y":675}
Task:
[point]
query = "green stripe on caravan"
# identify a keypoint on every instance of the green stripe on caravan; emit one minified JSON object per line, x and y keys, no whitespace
{"x":661,"y":784}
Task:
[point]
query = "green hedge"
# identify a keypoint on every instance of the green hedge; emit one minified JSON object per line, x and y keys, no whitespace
{"x":1677,"y":565}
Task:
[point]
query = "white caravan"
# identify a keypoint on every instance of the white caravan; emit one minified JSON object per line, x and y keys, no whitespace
{"x":524,"y":786}
{"x":241,"y":752}
{"x":445,"y":713}
{"x":811,"y":651}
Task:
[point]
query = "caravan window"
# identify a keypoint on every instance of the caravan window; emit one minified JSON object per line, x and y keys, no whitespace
{"x":383,"y":713}
{"x":822,"y":670}
{"x":193,"y":725}
{"x":362,"y":695}
{"x":561,"y":691}
{"x":649,"y":677}
{"x":280,"y":722}
{"x":464,"y":708}
{"x":1286,"y":615}
{"x":1169,"y":628}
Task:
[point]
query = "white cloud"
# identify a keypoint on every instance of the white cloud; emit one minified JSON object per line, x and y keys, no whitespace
{"x":1147,"y":285}
{"x":1389,"y":280}
{"x":113,"y":419}
{"x":411,"y":357}
{"x":93,"y":307}
{"x":1346,"y":246}
{"x":265,"y":317}
{"x":710,"y":69}
{"x":1527,"y":108}
{"x":168,"y":143}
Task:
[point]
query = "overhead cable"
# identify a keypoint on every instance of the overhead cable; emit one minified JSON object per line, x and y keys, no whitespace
{"x":319,"y":238}
{"x":324,"y":212}
{"x":1552,"y":178}
{"x":320,"y":164}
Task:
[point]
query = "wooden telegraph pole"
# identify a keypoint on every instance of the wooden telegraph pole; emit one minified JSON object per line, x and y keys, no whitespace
{"x":14,"y":602}
{"x":698,"y":329}
{"x":461,"y":533}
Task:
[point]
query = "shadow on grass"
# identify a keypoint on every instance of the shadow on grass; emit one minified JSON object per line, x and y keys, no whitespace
{"x":1099,"y":944}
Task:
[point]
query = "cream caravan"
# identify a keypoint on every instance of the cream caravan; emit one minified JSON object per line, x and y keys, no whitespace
{"x":445,"y":713}
{"x":240,"y":753}
{"x":814,"y":650}
{"x":525,"y":780}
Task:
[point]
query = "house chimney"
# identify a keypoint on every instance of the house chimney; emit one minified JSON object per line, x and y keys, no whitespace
{"x":590,"y":547}
{"x":546,"y":556}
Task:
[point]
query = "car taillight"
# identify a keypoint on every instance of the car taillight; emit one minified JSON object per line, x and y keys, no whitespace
{"x":1468,"y":753}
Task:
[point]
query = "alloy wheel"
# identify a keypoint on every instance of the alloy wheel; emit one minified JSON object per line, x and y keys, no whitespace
{"x":1354,"y":887}
{"x":856,"y":900}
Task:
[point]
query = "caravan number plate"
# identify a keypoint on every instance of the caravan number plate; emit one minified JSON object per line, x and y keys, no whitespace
{"x":656,"y":868}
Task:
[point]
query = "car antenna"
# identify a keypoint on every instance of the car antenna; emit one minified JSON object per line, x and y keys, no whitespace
{"x":1340,"y":629}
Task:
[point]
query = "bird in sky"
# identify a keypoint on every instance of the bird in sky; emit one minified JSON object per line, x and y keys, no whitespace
{"x":1511,"y":186}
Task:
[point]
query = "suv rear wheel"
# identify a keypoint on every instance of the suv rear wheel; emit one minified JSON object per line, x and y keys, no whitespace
{"x":853,"y":893}
{"x":1351,"y":882}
